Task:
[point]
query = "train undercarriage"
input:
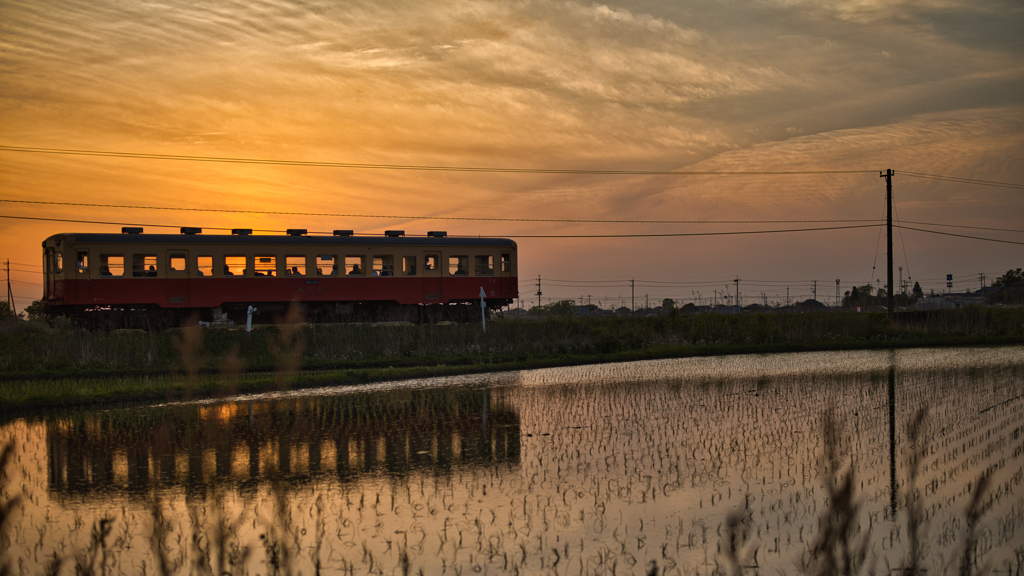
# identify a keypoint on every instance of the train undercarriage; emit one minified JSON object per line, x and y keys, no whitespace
{"x":155,"y":318}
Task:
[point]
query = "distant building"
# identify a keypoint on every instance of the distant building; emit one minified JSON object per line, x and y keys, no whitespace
{"x":943,"y":301}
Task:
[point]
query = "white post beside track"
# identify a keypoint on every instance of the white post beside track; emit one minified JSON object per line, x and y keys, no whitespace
{"x":248,"y":319}
{"x":483,"y":308}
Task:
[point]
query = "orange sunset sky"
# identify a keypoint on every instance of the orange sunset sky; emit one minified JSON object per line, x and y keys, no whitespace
{"x":931,"y":87}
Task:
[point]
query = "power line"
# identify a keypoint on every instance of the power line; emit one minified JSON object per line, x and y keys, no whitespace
{"x":124,"y":223}
{"x":551,"y":236}
{"x":683,"y":234}
{"x":963,"y":180}
{"x":457,"y":236}
{"x":487,"y":219}
{"x":959,"y":235}
{"x":145,"y":156}
{"x":409,"y":217}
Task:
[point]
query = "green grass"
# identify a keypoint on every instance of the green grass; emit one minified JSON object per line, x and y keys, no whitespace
{"x":43,"y":366}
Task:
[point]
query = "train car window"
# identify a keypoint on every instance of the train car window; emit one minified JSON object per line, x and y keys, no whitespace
{"x":431,"y":262}
{"x":506,"y":262}
{"x":143,"y":265}
{"x":58,"y":262}
{"x":383,"y":265}
{"x":355,"y":265}
{"x":266,"y":265}
{"x":458,"y":265}
{"x":294,"y":265}
{"x":484,"y":265}
{"x":111,"y":265}
{"x":234,"y":265}
{"x":176,"y":262}
{"x":83,"y":262}
{"x":408,"y":265}
{"x":204,"y":266}
{"x":326,"y":265}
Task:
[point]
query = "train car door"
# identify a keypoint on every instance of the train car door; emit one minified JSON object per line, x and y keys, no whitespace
{"x":177,"y":277}
{"x":506,"y":272}
{"x":49,"y":278}
{"x":432,"y":277}
{"x":82,"y":275}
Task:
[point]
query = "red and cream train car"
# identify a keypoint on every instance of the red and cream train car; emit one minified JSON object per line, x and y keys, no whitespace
{"x":154,"y":280}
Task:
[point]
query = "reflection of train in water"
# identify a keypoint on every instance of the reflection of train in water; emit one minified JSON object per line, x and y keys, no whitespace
{"x":243,"y":443}
{"x":152,"y":280}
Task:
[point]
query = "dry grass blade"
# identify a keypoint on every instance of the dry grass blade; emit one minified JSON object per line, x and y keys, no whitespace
{"x":975,"y":510}
{"x":6,"y":508}
{"x":158,"y":538}
{"x":835,"y":552}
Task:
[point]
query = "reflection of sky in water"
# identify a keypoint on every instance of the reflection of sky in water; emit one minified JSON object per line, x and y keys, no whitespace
{"x":565,"y":470}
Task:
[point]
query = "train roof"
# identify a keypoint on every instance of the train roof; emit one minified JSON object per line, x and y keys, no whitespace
{"x":287,"y":240}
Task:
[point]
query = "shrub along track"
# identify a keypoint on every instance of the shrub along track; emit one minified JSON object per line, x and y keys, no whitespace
{"x":42,"y":367}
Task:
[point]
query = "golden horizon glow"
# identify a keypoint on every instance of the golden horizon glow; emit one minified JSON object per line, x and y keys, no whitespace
{"x":932,"y":87}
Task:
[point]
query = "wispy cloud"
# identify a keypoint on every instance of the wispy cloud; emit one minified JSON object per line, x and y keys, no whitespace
{"x":751,"y":84}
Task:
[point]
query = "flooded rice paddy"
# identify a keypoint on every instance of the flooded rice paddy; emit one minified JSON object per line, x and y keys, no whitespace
{"x":755,"y":464}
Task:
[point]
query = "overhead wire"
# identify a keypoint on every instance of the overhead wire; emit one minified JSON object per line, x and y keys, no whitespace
{"x":667,"y":235}
{"x":487,"y":219}
{"x":960,"y":235}
{"x":221,"y":159}
{"x":963,"y":180}
{"x":429,"y":217}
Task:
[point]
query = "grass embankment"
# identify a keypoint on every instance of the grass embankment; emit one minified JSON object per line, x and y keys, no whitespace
{"x":43,"y":366}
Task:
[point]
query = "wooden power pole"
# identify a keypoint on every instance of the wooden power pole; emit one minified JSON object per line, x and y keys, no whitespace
{"x":889,"y":296}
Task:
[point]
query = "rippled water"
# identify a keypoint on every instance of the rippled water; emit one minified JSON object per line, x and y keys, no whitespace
{"x":691,"y":466}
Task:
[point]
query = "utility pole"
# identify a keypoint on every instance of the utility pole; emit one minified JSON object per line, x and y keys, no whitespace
{"x":815,"y":291}
{"x":837,"y":292}
{"x":632,"y":295}
{"x":888,"y":228}
{"x":787,"y":295}
{"x":737,"y":281}
{"x":539,"y":293}
{"x":10,"y":294}
{"x":981,"y":277}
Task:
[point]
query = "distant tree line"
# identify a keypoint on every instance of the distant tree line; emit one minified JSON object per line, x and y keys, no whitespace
{"x":861,"y":296}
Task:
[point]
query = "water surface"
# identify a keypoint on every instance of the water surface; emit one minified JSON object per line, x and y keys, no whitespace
{"x":688,"y":466}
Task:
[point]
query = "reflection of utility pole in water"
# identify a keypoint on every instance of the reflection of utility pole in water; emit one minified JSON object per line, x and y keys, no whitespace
{"x":892,"y":436}
{"x":483,"y":411}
